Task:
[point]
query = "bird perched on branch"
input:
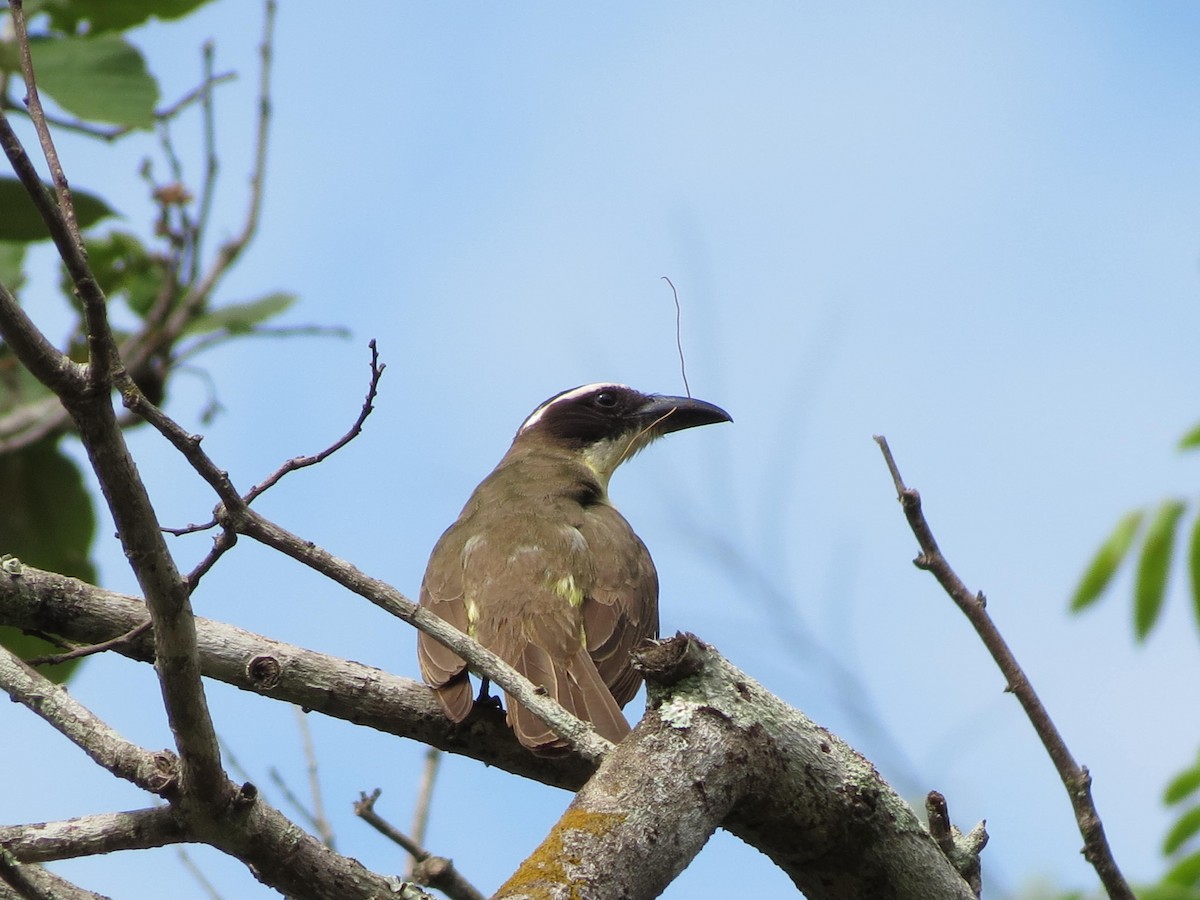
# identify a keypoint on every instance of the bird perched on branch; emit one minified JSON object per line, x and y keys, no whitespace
{"x":542,"y":570}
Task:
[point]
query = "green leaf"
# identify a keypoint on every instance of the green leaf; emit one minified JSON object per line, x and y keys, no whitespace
{"x":240,"y":318}
{"x":1184,"y":828}
{"x":1191,"y":440}
{"x":18,"y":387}
{"x":113,"y":15}
{"x":102,"y":79}
{"x":1194,"y":567}
{"x":22,"y":222}
{"x":1182,"y":785}
{"x":1106,"y":561}
{"x":46,"y":520}
{"x":1186,"y":872}
{"x":1153,"y":567}
{"x":1168,"y":889}
{"x":12,"y":265}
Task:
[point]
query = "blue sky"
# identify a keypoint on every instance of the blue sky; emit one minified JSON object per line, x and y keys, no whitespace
{"x":974,"y":228}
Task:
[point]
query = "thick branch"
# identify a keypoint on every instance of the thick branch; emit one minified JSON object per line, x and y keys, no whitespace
{"x":140,"y":829}
{"x":716,"y":748}
{"x":1075,"y":778}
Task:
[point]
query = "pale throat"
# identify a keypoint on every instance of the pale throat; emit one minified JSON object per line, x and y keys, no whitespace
{"x":604,"y":456}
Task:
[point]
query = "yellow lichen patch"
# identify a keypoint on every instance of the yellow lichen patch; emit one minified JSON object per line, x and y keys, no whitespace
{"x":548,"y":868}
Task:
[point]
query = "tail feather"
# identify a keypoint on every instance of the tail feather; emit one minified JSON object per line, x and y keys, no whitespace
{"x":577,"y":687}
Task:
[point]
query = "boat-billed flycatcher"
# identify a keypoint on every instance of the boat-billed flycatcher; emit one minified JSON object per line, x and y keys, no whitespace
{"x":541,"y":568}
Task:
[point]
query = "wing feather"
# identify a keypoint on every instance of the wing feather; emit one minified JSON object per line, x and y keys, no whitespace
{"x":442,"y":594}
{"x":621,"y":610}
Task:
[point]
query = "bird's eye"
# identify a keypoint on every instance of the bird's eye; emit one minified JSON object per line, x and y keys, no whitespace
{"x":606,"y":399}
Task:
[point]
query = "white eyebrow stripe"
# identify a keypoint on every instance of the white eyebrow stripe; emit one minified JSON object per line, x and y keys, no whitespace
{"x":572,"y":394}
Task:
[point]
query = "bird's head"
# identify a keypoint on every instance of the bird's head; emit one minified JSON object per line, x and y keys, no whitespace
{"x":608,"y":423}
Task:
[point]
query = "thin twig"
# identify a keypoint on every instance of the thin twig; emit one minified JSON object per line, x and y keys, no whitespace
{"x":433,"y":871}
{"x":216,"y":338}
{"x":80,"y":652}
{"x":193,"y":528}
{"x":211,"y":163}
{"x":319,"y":819}
{"x":433,"y":758}
{"x":36,"y":114}
{"x":146,"y":343}
{"x":198,"y":874}
{"x":111,"y":133}
{"x":1075,"y":778}
{"x":222,"y":544}
{"x":364,"y":808}
{"x":301,"y":462}
{"x":291,"y":797}
{"x":184,"y":236}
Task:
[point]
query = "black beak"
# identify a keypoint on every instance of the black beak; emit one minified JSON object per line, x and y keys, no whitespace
{"x":663,"y":415}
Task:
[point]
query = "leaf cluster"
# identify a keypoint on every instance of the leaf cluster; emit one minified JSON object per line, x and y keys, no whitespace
{"x":1158,"y":539}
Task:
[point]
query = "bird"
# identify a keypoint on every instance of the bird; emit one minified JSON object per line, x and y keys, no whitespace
{"x":542,"y":569}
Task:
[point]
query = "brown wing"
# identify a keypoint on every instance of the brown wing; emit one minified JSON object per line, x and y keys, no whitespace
{"x":442,"y":594}
{"x":621,"y":609}
{"x":526,"y":616}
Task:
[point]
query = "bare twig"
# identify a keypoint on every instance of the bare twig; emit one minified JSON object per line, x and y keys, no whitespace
{"x":320,"y":820}
{"x":148,"y":342}
{"x":112,"y":132}
{"x":301,"y":462}
{"x":433,"y":758}
{"x":293,"y":799}
{"x":216,"y":338}
{"x":433,"y":871}
{"x":222,"y":544}
{"x":211,"y":163}
{"x":1075,"y":778}
{"x":364,"y":808}
{"x":90,"y":649}
{"x":198,"y":874}
{"x":32,"y":99}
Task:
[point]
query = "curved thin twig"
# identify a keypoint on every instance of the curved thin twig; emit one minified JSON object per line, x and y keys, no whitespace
{"x":1075,"y":778}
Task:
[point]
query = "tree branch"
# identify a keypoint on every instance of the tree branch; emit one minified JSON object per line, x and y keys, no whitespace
{"x":1075,"y":778}
{"x":139,"y":829}
{"x":34,"y":102}
{"x":154,"y":772}
{"x":32,"y":882}
{"x":429,"y":870}
{"x":91,"y":408}
{"x":35,"y":600}
{"x":715,"y":748}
